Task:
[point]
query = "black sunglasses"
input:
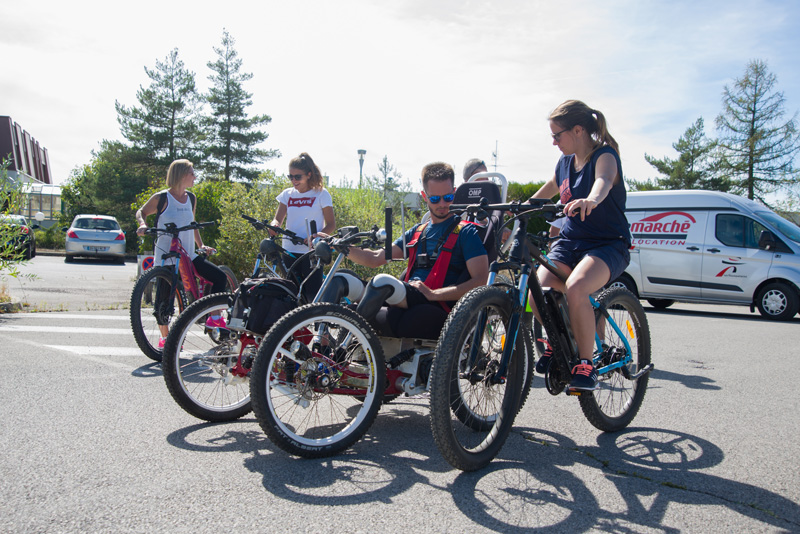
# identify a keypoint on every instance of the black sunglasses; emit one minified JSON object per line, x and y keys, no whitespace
{"x":295,"y":177}
{"x":447,"y":198}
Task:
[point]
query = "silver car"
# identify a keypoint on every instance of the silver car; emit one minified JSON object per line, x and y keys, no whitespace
{"x":95,"y":236}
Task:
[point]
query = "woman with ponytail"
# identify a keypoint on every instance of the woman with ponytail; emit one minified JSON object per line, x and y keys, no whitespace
{"x":595,"y":239}
{"x":306,"y":200}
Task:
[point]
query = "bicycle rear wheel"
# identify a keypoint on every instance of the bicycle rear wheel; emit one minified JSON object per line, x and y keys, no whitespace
{"x":473,"y":409}
{"x":150,"y":305}
{"x":615,"y":403}
{"x":318,"y":380}
{"x":199,"y":367}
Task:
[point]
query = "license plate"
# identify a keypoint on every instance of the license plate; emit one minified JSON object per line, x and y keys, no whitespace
{"x":97,"y":249}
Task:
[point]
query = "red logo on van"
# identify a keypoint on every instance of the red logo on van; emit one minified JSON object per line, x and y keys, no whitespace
{"x":301,"y":202}
{"x":667,"y":225}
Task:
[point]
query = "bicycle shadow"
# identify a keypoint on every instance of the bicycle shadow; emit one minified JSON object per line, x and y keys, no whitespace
{"x":148,"y":370}
{"x":651,"y":469}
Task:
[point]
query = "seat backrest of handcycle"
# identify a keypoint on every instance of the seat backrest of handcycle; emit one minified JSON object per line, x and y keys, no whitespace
{"x":472,"y":193}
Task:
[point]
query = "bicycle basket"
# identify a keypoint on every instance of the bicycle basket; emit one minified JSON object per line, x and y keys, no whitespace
{"x":260,"y":302}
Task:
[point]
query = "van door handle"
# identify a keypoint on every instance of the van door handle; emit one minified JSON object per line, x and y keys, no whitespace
{"x":693,"y":248}
{"x":715,"y":250}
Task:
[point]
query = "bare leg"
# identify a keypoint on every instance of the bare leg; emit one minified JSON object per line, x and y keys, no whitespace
{"x":589,"y":275}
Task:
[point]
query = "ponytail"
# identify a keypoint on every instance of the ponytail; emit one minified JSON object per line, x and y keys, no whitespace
{"x":575,"y":113}
{"x":306,"y":164}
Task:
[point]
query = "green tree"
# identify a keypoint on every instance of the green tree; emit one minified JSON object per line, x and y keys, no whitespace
{"x":11,"y":199}
{"x":694,"y":168}
{"x":757,"y":147}
{"x":389,"y":183}
{"x":232,"y":135}
{"x":108,"y":186}
{"x":166,"y":124}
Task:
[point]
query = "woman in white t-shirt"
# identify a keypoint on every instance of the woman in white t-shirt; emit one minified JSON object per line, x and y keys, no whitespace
{"x":306,"y":200}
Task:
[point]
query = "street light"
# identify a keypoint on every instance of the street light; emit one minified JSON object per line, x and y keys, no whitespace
{"x":361,"y":153}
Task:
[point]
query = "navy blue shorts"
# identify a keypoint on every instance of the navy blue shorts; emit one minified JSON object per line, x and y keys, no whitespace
{"x":615,"y":254}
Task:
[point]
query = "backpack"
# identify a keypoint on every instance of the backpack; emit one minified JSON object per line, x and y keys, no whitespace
{"x":260,"y":302}
{"x":162,"y":204}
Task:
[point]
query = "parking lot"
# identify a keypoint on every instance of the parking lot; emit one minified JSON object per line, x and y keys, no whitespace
{"x":92,"y":441}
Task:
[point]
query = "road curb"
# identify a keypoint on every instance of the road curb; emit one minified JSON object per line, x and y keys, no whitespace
{"x":14,"y":306}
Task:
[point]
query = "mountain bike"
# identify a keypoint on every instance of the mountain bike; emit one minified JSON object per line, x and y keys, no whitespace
{"x":162,"y":292}
{"x":208,"y":373}
{"x":477,"y":376}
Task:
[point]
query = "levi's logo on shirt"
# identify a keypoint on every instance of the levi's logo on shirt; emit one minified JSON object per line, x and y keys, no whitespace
{"x":301,"y":202}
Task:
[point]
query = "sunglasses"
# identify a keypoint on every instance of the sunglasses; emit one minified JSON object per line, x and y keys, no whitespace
{"x":557,"y":136}
{"x":436,"y":198}
{"x":294,"y":177}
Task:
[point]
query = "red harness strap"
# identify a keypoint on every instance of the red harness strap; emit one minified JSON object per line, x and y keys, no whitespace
{"x":435,"y":278}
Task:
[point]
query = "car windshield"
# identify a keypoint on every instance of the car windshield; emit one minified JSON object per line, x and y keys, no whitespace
{"x":12,"y":219}
{"x":96,"y":224}
{"x":789,"y":229}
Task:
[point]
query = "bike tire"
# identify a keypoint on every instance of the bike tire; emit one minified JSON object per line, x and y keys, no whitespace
{"x":231,"y":284}
{"x":307,"y":403}
{"x":615,"y":403}
{"x":197,"y":365}
{"x":528,"y":367}
{"x":470,"y":416}
{"x":143,"y":298}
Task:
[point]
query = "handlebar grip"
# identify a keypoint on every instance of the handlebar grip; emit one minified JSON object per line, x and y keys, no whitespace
{"x":388,"y":227}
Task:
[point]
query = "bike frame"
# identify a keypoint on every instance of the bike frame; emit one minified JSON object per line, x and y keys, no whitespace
{"x":526,"y":283}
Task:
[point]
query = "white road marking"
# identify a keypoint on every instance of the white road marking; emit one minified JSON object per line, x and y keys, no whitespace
{"x":97,"y":351}
{"x":66,"y":329}
{"x":59,"y":315}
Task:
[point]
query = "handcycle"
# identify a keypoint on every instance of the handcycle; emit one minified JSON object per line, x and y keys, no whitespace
{"x":162,"y":292}
{"x":208,"y":376}
{"x":322,"y":372}
{"x":477,"y":353}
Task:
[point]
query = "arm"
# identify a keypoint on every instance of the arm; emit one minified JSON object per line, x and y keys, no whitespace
{"x":478,"y":268}
{"x":149,"y":208}
{"x":605,"y":176}
{"x":280,"y":215}
{"x":330,"y":220}
{"x":548,"y":190}
{"x":373,"y":258}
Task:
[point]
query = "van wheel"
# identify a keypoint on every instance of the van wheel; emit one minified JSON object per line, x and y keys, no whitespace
{"x":626,"y":283}
{"x":777,"y":301}
{"x":660,"y":304}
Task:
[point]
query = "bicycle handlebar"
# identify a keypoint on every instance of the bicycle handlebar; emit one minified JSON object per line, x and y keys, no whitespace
{"x":263,"y":225}
{"x":173,"y":230}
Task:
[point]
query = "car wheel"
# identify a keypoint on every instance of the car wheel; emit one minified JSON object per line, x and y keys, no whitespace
{"x":29,"y":252}
{"x":68,"y":258}
{"x":660,"y":304}
{"x":778,"y":301}
{"x":626,"y":283}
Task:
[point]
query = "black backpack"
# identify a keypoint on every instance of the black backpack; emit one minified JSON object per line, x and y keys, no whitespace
{"x":260,"y":302}
{"x":162,"y":204}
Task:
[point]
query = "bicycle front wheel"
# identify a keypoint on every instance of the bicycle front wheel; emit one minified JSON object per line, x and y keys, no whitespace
{"x":473,"y":404}
{"x":318,"y":380}
{"x":200,"y":363}
{"x":151,"y":306}
{"x":615,"y":403}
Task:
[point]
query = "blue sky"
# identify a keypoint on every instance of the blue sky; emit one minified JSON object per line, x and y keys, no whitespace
{"x":415,"y":80}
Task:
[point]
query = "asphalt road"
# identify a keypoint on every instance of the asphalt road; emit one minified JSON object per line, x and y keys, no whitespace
{"x":92,"y":441}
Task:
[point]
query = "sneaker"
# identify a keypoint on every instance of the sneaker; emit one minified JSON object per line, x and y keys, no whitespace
{"x":544,"y":362}
{"x":584,"y":377}
{"x":219,"y":322}
{"x":161,"y":341}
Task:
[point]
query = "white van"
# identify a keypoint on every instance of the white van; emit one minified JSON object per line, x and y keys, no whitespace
{"x":714,"y":248}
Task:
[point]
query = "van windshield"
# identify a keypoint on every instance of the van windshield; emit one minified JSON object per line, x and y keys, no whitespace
{"x":789,"y":229}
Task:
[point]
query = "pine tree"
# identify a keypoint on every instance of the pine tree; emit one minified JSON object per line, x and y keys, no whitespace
{"x":757,"y":147}
{"x":165,"y":126}
{"x":232,"y":135}
{"x":694,"y":169}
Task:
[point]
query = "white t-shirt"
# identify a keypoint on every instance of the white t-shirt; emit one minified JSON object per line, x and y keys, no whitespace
{"x":302,"y":206}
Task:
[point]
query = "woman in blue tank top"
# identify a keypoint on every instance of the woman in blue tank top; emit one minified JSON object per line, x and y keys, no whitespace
{"x":595,"y":239}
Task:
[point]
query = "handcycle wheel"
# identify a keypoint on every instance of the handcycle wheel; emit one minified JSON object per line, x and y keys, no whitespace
{"x":318,"y":380}
{"x":472,"y":414}
{"x":144,"y":306}
{"x":615,"y":403}
{"x":198,"y":367}
{"x":231,"y":284}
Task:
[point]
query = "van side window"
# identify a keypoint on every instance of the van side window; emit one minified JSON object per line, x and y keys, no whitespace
{"x":738,"y":231}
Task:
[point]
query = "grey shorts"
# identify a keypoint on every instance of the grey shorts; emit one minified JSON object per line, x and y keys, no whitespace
{"x":615,"y":254}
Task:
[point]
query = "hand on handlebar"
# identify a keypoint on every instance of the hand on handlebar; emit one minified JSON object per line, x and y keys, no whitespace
{"x":141,"y":230}
{"x":581,"y":206}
